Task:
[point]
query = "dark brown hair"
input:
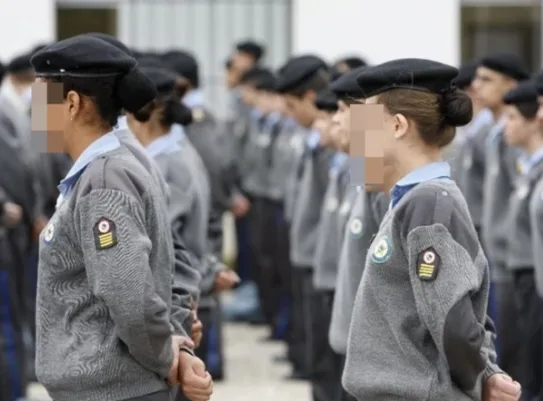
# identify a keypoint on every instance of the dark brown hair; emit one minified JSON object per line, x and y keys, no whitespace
{"x":435,"y":115}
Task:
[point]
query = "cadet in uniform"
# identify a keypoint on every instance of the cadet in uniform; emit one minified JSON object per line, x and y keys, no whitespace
{"x":255,"y":185}
{"x":522,"y":131}
{"x":360,"y":215}
{"x":186,"y":278}
{"x":497,"y":74}
{"x":326,"y":374}
{"x":299,"y":82}
{"x":417,"y":325}
{"x":109,"y":215}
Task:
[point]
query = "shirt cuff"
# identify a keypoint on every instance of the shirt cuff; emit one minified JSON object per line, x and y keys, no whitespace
{"x":491,"y":369}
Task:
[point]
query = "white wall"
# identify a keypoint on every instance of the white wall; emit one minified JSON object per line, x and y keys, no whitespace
{"x":25,"y":23}
{"x":379,"y":30}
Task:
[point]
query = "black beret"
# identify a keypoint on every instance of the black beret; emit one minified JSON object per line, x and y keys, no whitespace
{"x":82,"y":55}
{"x":37,"y":48}
{"x":334,"y":73}
{"x":112,"y":40}
{"x":524,"y":92}
{"x":183,"y":63}
{"x":152,"y":61}
{"x":326,"y":100}
{"x":19,"y":63}
{"x":265,"y":81}
{"x":251,"y":48}
{"x":466,"y":73}
{"x":87,"y":56}
{"x":346,"y":86}
{"x":352,"y":62}
{"x":411,"y":73}
{"x":505,"y":63}
{"x":297,"y":70}
{"x":251,"y":76}
{"x":163,"y":78}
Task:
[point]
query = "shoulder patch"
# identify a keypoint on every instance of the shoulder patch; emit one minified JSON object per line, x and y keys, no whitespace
{"x":428,"y":263}
{"x":105,"y":234}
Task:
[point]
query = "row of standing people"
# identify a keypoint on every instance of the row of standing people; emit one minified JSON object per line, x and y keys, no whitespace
{"x":310,"y":228}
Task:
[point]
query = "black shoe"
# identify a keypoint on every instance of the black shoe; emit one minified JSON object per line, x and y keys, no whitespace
{"x":297,"y":376}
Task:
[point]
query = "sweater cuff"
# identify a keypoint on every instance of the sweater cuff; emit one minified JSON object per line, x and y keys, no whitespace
{"x":491,"y":369}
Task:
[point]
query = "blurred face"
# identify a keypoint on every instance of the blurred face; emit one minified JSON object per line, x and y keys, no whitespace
{"x":264,"y":102}
{"x":477,"y":106}
{"x":323,"y":124}
{"x":55,"y":118}
{"x":489,"y":87}
{"x":302,"y":109}
{"x":242,"y":62}
{"x":518,"y":129}
{"x":231,"y":78}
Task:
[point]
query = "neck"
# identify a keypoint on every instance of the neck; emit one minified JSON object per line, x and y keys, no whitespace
{"x":149,"y":132}
{"x":401,"y":168}
{"x":534,"y":144}
{"x":84,"y":139}
{"x":497,"y":112}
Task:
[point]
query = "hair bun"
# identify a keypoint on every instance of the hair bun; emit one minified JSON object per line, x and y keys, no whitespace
{"x":135,"y":90}
{"x":457,"y":108}
{"x":177,"y":113}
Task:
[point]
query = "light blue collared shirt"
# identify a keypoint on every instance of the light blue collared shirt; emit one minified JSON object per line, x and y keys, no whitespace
{"x":104,"y":144}
{"x":338,"y":160}
{"x":194,"y":98}
{"x":122,"y":123}
{"x":313,"y":139}
{"x":430,"y":171}
{"x":482,"y":118}
{"x":272,"y":119}
{"x":256,"y":114}
{"x":178,"y":132}
{"x":496,"y":131}
{"x":527,"y":162}
{"x":164,"y":144}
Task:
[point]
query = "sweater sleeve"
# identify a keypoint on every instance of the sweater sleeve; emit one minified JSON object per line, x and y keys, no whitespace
{"x":116,"y":250}
{"x":447,"y":272}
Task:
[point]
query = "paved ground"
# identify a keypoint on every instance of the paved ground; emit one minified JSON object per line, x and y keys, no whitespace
{"x":252,"y":376}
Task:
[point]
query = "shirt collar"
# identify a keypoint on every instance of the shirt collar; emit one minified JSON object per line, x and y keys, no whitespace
{"x":496,"y":130}
{"x":194,"y":98}
{"x":527,"y":162}
{"x":484,"y":117}
{"x":313,"y":139}
{"x":122,"y":122}
{"x":104,"y":144}
{"x":338,"y":160}
{"x":272,"y":119}
{"x":177,"y":132}
{"x":427,"y":172}
{"x":164,"y":144}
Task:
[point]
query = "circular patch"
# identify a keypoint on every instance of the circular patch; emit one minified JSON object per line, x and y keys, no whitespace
{"x":382,"y":250}
{"x":429,"y":257}
{"x":49,"y":232}
{"x":356,"y":227}
{"x":104,"y":226}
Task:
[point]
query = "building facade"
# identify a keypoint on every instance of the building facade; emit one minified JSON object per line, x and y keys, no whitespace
{"x":446,"y":30}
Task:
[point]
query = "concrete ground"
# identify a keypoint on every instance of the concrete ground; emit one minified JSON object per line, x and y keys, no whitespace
{"x":251,"y":373}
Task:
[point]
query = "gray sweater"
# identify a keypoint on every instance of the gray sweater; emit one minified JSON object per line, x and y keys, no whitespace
{"x":536,"y":218}
{"x":328,"y":246}
{"x":366,"y":214}
{"x":306,"y":218}
{"x":519,"y":245}
{"x":104,"y":293}
{"x":417,"y":331}
{"x":500,"y":176}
